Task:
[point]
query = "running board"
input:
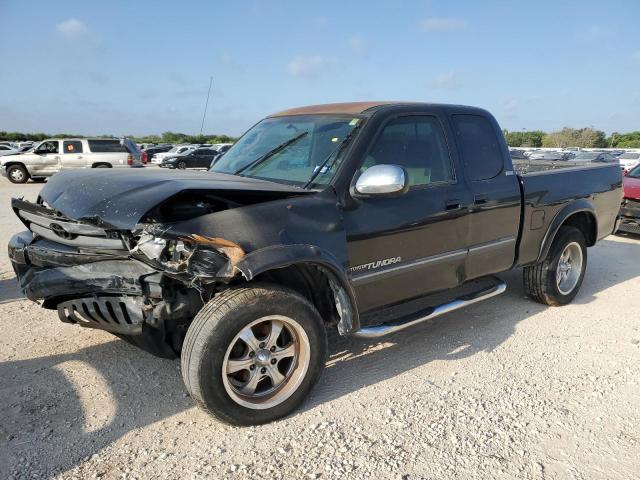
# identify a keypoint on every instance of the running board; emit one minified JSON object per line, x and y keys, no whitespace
{"x":460,"y":302}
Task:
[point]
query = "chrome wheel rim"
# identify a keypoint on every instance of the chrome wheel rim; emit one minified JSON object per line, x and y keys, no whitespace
{"x":569,"y":268}
{"x":266,"y":362}
{"x":17,"y":175}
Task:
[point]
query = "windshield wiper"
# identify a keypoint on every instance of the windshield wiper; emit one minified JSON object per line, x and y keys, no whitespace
{"x":335,"y":152}
{"x":271,"y":153}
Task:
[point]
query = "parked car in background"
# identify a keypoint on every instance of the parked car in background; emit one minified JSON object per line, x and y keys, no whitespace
{"x":177,"y":150}
{"x":630,"y":208}
{"x":517,"y":154}
{"x":628,"y":160}
{"x":197,"y":158}
{"x":597,"y":157}
{"x":7,"y":150}
{"x":551,"y":155}
{"x":148,"y":153}
{"x":53,"y":155}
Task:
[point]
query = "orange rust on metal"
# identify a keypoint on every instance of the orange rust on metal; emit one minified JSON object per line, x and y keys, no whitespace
{"x":347,"y":108}
{"x":229,"y":248}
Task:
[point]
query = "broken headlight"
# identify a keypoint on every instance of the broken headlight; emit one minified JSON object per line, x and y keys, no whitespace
{"x":197,"y":259}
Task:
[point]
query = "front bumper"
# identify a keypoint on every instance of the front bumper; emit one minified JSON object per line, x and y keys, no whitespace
{"x":630,"y":216}
{"x":94,"y":290}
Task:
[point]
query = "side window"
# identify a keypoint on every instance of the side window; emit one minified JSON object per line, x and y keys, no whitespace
{"x":106,"y":146}
{"x":416,"y":143}
{"x":48,"y":147}
{"x":72,"y":146}
{"x":479,"y":147}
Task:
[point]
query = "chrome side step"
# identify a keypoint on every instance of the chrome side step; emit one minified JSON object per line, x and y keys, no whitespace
{"x":460,"y":302}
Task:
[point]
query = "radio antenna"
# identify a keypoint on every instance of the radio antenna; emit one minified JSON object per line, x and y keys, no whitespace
{"x":204,"y":115}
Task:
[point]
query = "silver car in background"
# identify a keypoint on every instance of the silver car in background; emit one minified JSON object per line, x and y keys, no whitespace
{"x":56,"y":154}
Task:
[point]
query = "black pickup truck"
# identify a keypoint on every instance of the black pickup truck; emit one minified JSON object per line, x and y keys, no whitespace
{"x":369,"y":217}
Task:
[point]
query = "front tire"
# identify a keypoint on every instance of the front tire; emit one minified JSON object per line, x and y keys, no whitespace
{"x":252,"y":354}
{"x":557,"y":280}
{"x":17,"y":174}
{"x":182,"y":165}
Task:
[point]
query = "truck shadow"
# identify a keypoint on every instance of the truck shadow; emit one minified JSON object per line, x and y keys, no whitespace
{"x":87,"y":399}
{"x":9,"y":290}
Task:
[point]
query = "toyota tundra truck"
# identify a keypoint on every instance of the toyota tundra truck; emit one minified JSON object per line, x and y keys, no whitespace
{"x":367,"y":217}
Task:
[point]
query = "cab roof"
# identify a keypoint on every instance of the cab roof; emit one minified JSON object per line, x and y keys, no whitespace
{"x":355,"y":108}
{"x":349,"y":108}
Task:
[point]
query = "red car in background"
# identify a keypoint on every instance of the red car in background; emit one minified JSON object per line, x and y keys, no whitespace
{"x":630,"y":209}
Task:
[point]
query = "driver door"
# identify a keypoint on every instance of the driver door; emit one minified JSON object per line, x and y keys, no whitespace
{"x":48,"y":158}
{"x":402,"y":247}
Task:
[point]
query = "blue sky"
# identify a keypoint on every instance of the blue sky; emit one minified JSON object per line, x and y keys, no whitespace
{"x":142,"y":67}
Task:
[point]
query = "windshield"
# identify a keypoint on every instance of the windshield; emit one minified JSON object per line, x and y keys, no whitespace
{"x":290,"y":149}
{"x":634,"y":173}
{"x":630,"y":156}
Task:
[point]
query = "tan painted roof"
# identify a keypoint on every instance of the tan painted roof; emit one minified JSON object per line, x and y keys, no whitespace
{"x":348,"y":108}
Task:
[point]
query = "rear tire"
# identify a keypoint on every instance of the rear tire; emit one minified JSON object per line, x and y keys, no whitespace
{"x":557,"y":280}
{"x":17,"y":174}
{"x":102,"y":165}
{"x":252,"y":354}
{"x":182,"y":165}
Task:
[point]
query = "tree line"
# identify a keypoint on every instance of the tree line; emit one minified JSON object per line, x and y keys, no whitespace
{"x":567,"y":137}
{"x":166,"y":137}
{"x":572,"y":137}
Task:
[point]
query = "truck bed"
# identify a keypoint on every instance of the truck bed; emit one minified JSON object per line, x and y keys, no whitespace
{"x":548,"y":187}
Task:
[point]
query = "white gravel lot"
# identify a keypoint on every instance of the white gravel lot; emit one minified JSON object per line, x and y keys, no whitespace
{"x":503,"y":389}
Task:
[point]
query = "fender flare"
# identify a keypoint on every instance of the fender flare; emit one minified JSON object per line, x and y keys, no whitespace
{"x":567,"y":211}
{"x":280,"y":256}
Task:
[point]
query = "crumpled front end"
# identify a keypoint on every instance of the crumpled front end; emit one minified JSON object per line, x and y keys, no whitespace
{"x":133,"y":284}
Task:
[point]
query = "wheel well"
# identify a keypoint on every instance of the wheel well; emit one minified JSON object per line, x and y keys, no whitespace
{"x":310,"y":281}
{"x":98,"y":164}
{"x":11,"y":164}
{"x":586,"y":223}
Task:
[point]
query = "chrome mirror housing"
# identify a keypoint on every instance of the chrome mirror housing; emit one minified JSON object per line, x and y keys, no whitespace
{"x":382,"y":180}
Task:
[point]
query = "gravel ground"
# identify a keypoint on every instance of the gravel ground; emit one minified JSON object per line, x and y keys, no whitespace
{"x":503,"y":389}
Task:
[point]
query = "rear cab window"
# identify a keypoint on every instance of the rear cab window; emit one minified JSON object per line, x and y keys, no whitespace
{"x":478,"y":146}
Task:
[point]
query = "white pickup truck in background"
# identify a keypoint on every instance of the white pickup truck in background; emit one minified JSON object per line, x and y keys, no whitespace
{"x":56,"y":154}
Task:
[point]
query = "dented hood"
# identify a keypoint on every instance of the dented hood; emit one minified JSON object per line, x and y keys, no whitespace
{"x":119,"y":198}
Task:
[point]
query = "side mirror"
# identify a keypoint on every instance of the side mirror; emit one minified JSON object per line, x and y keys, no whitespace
{"x":382,"y":180}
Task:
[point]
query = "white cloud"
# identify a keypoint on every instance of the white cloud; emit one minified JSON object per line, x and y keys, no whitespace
{"x":436,"y":24}
{"x":306,"y":66}
{"x":358,"y":44}
{"x":447,"y":81}
{"x":72,"y":28}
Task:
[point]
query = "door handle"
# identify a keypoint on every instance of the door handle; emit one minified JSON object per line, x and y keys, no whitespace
{"x":454,"y":204}
{"x":480,"y":199}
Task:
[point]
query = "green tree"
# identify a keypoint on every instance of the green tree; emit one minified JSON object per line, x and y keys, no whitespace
{"x":625,"y":140}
